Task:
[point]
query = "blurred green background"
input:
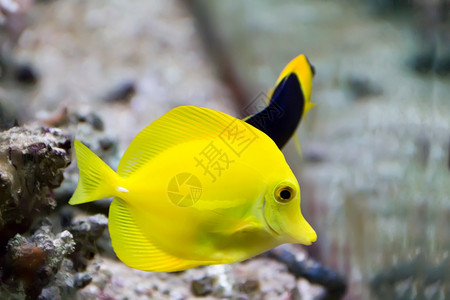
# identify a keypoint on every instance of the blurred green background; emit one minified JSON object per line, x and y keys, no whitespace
{"x":375,"y":173}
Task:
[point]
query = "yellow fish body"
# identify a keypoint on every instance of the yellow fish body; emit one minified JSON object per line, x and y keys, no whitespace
{"x":196,"y":187}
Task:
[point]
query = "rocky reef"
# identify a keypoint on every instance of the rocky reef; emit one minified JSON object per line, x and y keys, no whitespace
{"x":38,"y":259}
{"x":32,"y":162}
{"x":32,"y":263}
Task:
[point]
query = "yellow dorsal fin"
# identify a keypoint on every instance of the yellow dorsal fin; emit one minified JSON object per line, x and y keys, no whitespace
{"x":134,"y":248}
{"x":181,"y":124}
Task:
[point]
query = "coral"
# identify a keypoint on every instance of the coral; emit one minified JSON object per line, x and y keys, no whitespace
{"x":31,"y":263}
{"x":45,"y":265}
{"x":86,"y":232}
{"x":32,"y":162}
{"x":36,"y":262}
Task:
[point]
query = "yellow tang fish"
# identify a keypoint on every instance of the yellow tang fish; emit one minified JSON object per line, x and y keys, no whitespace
{"x":195,"y":187}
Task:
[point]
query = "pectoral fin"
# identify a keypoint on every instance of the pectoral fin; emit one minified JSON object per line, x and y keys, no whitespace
{"x":229,"y":225}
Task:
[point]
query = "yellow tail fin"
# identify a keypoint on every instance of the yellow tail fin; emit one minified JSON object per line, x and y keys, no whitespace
{"x":97,"y":180}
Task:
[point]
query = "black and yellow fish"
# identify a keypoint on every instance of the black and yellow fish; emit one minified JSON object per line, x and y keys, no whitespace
{"x":288,"y":102}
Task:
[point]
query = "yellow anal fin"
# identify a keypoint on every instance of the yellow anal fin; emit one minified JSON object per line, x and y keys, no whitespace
{"x":297,"y":145}
{"x":308,"y":106}
{"x":134,"y":248}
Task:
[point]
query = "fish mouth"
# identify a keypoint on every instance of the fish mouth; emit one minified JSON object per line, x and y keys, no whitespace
{"x":306,"y":235}
{"x":265,"y":219}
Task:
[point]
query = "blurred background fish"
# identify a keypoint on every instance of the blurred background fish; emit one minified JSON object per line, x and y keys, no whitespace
{"x":287,"y":102}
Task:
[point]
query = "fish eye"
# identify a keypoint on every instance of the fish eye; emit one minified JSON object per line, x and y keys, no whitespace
{"x":284,"y":194}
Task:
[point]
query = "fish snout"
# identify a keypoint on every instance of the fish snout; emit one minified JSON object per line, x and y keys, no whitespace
{"x":302,"y":233}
